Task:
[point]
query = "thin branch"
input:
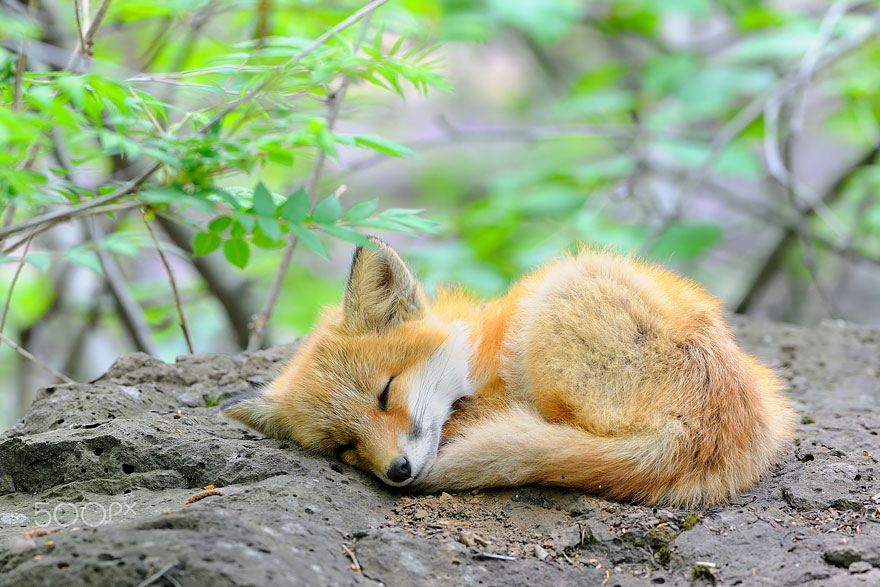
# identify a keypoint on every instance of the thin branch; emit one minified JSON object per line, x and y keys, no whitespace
{"x":258,"y":326}
{"x":278,"y":70}
{"x":453,"y":135}
{"x":78,"y":214}
{"x":132,"y":186}
{"x":69,"y":212}
{"x":131,"y":314}
{"x":183,"y":325}
{"x":780,"y":159}
{"x":264,"y":7}
{"x":27,"y":355}
{"x":22,"y":60}
{"x":79,"y":27}
{"x":750,"y":113}
{"x":12,"y":286}
{"x":773,"y":260}
{"x":89,"y":38}
{"x":9,"y":215}
{"x":154,"y":49}
{"x":226,"y":287}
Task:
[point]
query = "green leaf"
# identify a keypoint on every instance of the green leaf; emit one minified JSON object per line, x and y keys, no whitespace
{"x":264,"y":242}
{"x":870,"y":220}
{"x":39,"y":259}
{"x":385,"y":225}
{"x":545,"y":22}
{"x":325,"y":141}
{"x":74,"y":87}
{"x":296,"y":208}
{"x":219,"y":224}
{"x":270,"y":227}
{"x":264,"y":205}
{"x":383,"y":146}
{"x":173,"y":195}
{"x":84,"y":258}
{"x":328,"y":210}
{"x":361,"y":210}
{"x":204,"y":243}
{"x":243,"y":224}
{"x":119,"y":243}
{"x":309,"y":239}
{"x":236,"y":252}
{"x":347,"y":234}
{"x":228,"y":198}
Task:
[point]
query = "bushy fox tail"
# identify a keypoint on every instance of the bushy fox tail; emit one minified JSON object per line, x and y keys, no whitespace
{"x":519,"y":447}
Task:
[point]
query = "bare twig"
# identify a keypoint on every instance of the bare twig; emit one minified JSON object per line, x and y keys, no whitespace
{"x":88,"y":39}
{"x":264,"y":7}
{"x":259,"y":322}
{"x":780,"y":160}
{"x":453,"y":135}
{"x":30,"y":357}
{"x":79,"y":213}
{"x":789,"y":236}
{"x":752,"y":111}
{"x":66,"y":213}
{"x":155,"y":577}
{"x":183,"y":325}
{"x":132,"y":186}
{"x":20,"y":65}
{"x":148,"y":113}
{"x":154,"y":49}
{"x":79,"y":27}
{"x":226,"y":287}
{"x":12,"y":286}
{"x":355,"y":564}
{"x":9,"y":215}
{"x":130,"y":313}
{"x":278,"y":70}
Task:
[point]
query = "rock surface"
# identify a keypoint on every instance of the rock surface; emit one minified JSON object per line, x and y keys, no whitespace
{"x":94,"y":479}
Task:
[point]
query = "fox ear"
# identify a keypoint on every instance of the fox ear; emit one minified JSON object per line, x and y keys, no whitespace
{"x":381,"y":291}
{"x":258,"y":411}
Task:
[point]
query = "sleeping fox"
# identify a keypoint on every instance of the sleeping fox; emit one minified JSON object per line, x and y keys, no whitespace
{"x":596,"y":372}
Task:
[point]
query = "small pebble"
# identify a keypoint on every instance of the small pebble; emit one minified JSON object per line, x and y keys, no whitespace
{"x":420,"y":514}
{"x":21,"y":545}
{"x":859,"y":567}
{"x":467,"y":537}
{"x":540,"y":553}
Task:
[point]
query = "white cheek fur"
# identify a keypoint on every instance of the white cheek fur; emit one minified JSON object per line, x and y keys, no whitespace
{"x":442,"y":380}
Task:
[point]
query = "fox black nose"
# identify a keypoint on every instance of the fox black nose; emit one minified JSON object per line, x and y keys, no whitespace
{"x":399,"y":471}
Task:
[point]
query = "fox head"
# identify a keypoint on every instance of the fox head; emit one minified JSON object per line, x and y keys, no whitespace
{"x":375,"y":381}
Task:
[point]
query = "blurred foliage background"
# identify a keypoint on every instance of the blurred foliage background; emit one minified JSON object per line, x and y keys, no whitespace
{"x":164,"y":161}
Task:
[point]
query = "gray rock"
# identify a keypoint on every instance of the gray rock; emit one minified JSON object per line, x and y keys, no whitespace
{"x":847,"y":554}
{"x":859,"y":567}
{"x":568,"y":538}
{"x":109,"y":465}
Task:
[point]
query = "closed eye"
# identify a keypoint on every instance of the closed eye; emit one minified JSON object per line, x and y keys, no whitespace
{"x":383,"y":397}
{"x":342,"y":449}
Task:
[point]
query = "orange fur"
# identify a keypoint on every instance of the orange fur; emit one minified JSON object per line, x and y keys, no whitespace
{"x":596,"y":371}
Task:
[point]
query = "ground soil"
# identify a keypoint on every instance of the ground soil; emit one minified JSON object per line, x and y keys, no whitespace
{"x":94,"y":483}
